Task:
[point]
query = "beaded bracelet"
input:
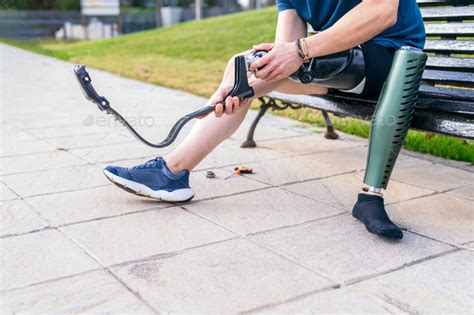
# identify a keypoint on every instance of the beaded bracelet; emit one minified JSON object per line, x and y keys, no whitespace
{"x":298,"y":50}
{"x":304,"y":49}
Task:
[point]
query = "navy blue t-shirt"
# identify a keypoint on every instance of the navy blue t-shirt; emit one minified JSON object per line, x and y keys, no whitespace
{"x":322,"y":14}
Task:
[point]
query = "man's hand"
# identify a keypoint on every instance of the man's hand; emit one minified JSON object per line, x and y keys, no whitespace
{"x":232,"y":104}
{"x":281,"y":62}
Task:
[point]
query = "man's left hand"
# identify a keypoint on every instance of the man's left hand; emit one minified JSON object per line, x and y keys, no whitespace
{"x":281,"y":62}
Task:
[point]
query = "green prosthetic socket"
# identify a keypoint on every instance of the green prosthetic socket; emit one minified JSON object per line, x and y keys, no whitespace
{"x":393,"y":115}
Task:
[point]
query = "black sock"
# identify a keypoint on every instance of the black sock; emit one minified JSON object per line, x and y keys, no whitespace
{"x":371,"y":211}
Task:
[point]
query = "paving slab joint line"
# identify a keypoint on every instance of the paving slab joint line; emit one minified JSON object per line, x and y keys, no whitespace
{"x":353,"y":281}
{"x":45,"y":219}
{"x":315,"y":199}
{"x":229,"y":195}
{"x":222,"y":167}
{"x":343,"y":212}
{"x":285,"y":156}
{"x":459,"y":246}
{"x":311,"y":153}
{"x":172,"y":253}
{"x":281,"y":255}
{"x":391,"y":305}
{"x":350,"y":282}
{"x":275,"y":139}
{"x":465,"y":247}
{"x":64,"y":191}
{"x":31,"y":129}
{"x":296,"y":224}
{"x":84,"y":159}
{"x":8,"y":186}
{"x":440,"y":191}
{"x":45,"y":119}
{"x":50,"y":280}
{"x":121,"y":159}
{"x":155,"y":208}
{"x":336,"y":150}
{"x":38,"y":213}
{"x":341,"y":284}
{"x":439,"y":160}
{"x":212,"y":165}
{"x":61,"y":137}
{"x":289,"y":300}
{"x":32,"y":153}
{"x":115,"y":216}
{"x":252,"y":161}
{"x":92,"y":146}
{"x":46,"y":228}
{"x":318,"y":178}
{"x":183,"y":207}
{"x":29,"y":133}
{"x":315,"y":271}
{"x":102,"y":265}
{"x":51,"y":169}
{"x":433,"y":193}
{"x":294,"y":182}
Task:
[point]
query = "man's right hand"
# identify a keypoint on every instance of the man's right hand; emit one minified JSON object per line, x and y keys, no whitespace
{"x":232,"y":104}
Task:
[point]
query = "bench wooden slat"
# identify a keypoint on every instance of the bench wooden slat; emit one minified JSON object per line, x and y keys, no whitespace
{"x":330,"y":104}
{"x":448,"y":13}
{"x":458,"y":29}
{"x":450,"y":46}
{"x":432,"y":115}
{"x":443,"y":99}
{"x":452,"y":125}
{"x":447,"y":63}
{"x":462,"y":99}
{"x":456,"y":78}
{"x":448,"y":110}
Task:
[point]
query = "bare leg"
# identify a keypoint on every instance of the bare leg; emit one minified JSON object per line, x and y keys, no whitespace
{"x":209,"y":132}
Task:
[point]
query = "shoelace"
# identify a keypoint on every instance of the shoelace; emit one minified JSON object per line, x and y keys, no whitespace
{"x":156,"y":162}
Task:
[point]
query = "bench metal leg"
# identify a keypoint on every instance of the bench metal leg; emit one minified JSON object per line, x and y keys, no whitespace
{"x":271,"y":103}
{"x":330,"y":132}
{"x":250,"y":142}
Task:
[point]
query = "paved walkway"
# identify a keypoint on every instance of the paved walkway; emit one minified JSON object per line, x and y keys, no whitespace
{"x":282,"y":240}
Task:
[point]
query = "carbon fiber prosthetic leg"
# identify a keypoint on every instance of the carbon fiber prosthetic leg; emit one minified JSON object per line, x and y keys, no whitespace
{"x":393,"y":115}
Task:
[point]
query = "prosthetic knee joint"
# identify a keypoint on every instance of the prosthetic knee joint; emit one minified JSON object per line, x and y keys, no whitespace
{"x":343,"y":71}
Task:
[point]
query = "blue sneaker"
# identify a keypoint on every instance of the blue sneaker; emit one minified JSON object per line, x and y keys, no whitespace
{"x":152,"y":179}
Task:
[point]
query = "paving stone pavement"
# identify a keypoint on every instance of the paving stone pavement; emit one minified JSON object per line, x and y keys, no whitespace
{"x":279,"y":241}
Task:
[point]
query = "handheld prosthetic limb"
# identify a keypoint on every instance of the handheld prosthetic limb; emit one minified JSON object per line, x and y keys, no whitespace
{"x":241,"y":89}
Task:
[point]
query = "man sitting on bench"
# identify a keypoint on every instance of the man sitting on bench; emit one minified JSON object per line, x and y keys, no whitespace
{"x":364,"y":34}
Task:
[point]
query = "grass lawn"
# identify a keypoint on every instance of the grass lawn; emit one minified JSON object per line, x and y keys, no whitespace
{"x":191,"y":56}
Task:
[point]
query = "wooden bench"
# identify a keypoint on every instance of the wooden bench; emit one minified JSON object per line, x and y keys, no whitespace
{"x":446,"y":97}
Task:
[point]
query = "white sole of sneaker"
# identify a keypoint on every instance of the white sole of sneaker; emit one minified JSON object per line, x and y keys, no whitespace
{"x":178,"y":195}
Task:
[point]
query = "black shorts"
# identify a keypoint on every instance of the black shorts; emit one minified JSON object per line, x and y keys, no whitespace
{"x":378,"y":61}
